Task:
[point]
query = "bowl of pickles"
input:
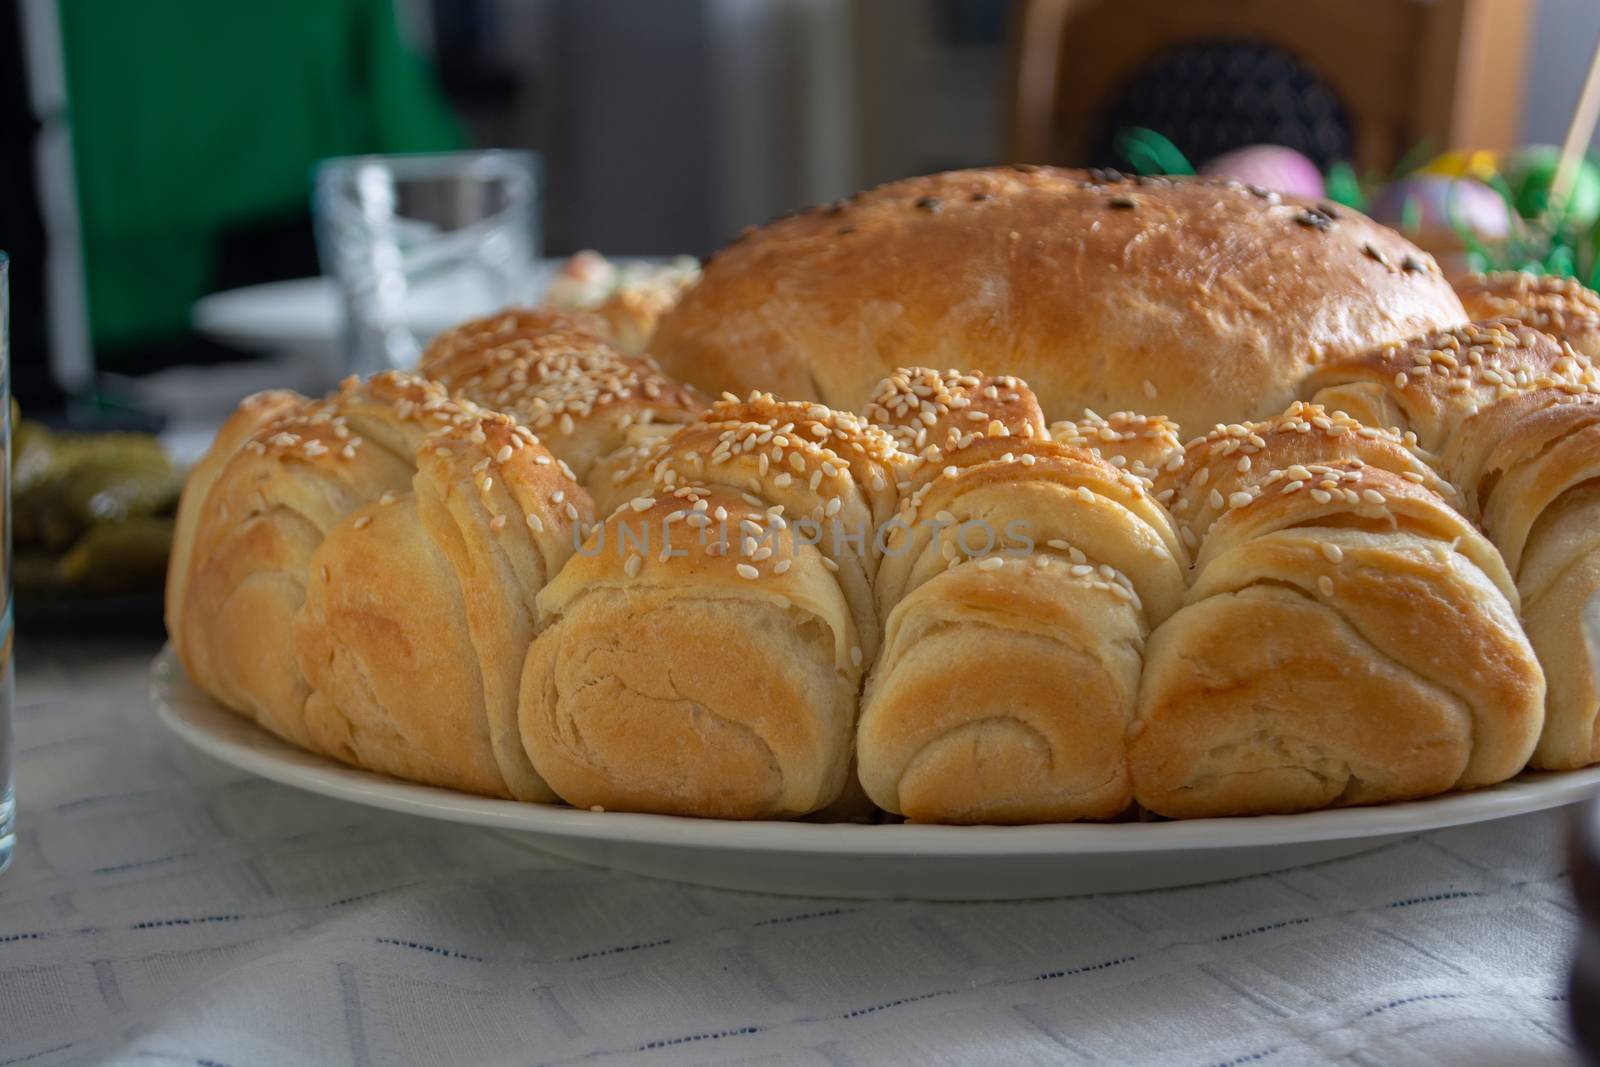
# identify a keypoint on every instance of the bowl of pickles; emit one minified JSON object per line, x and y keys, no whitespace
{"x":92,"y":517}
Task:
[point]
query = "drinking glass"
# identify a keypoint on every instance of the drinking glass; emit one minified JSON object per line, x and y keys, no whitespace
{"x":7,"y":801}
{"x":421,"y":241}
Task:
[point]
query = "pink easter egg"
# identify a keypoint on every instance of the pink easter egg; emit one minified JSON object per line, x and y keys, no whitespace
{"x":1271,"y":167}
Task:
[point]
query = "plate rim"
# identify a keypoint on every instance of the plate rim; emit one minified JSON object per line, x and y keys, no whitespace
{"x":206,"y":725}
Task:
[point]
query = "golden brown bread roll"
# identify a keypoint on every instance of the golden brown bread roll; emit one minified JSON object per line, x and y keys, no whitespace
{"x":929,"y":412}
{"x":1046,"y":559}
{"x":253,"y":413}
{"x":362,"y":576}
{"x":512,"y":324}
{"x":1203,"y":299}
{"x":686,"y":673}
{"x":557,"y":374}
{"x":1560,"y":306}
{"x":1348,"y":636}
{"x":1513,"y":418}
{"x":1140,"y":444}
{"x":821,"y":475}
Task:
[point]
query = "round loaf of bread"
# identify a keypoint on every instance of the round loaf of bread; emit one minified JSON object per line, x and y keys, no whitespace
{"x":1202,"y":300}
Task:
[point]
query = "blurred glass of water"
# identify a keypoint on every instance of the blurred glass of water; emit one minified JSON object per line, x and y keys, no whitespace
{"x":424,"y":239}
{"x":7,"y":803}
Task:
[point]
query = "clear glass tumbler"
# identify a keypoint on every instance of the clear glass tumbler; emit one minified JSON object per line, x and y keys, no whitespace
{"x":422,"y":241}
{"x":7,"y":801}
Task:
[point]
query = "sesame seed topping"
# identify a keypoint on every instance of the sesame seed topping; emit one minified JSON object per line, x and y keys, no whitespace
{"x":746,"y":571}
{"x":990,"y":563}
{"x":362,"y":522}
{"x":1325,"y":585}
{"x":1332,"y":552}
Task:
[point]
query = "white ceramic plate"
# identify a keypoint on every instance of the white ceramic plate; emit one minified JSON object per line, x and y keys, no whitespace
{"x":844,"y":860}
{"x":304,"y":316}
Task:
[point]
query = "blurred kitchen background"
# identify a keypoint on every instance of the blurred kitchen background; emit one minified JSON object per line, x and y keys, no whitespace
{"x":161,"y":150}
{"x":156,"y":154}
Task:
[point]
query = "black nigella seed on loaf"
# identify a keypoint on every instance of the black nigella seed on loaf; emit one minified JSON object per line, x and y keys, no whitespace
{"x":1122,"y":202}
{"x":930,"y":204}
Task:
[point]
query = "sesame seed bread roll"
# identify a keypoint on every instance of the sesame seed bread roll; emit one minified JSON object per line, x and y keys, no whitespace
{"x":1560,"y":306}
{"x":1348,"y":637}
{"x":253,"y":413}
{"x":1140,"y":444}
{"x":1536,"y":489}
{"x":421,"y":607}
{"x":317,"y":601}
{"x":782,"y":458}
{"x":685,"y":677}
{"x":584,"y":397}
{"x":1204,"y":299}
{"x":1430,"y":385}
{"x":1081,"y":564}
{"x":1307,"y":444}
{"x":1514,"y":417}
{"x":930,"y":412}
{"x":510,"y":325}
{"x":267,"y":510}
{"x":1052,"y":491}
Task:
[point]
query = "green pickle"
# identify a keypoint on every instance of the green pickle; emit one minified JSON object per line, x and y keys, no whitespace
{"x":120,"y":557}
{"x":92,"y":513}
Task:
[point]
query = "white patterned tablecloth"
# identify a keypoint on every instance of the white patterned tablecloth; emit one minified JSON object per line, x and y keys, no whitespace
{"x":165,"y":909}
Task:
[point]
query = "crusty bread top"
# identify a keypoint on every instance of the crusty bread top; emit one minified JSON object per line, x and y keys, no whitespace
{"x":1203,"y":300}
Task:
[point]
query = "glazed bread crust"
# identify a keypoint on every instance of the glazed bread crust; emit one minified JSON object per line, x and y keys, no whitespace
{"x":1202,"y":300}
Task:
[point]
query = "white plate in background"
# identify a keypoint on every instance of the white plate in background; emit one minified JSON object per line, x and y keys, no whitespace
{"x":848,"y":860}
{"x":304,"y":314}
